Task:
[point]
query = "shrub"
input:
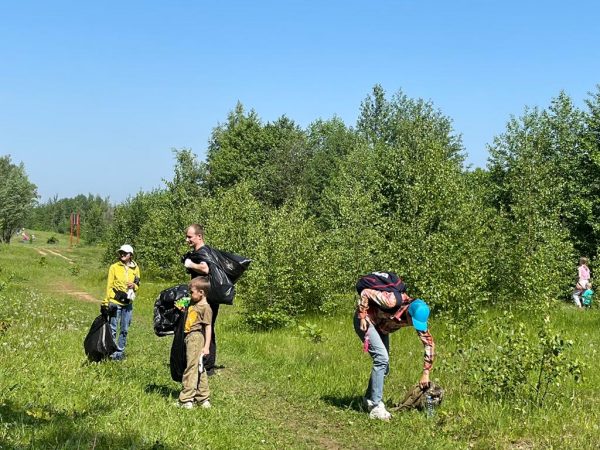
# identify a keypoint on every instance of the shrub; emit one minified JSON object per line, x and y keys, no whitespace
{"x":520,"y":369}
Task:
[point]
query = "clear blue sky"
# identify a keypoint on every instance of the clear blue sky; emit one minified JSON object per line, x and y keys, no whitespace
{"x":94,"y":95}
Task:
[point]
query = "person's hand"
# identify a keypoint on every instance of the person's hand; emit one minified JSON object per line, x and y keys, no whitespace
{"x":363,"y":325}
{"x":206,"y":351}
{"x":188,"y":263}
{"x":424,"y":381}
{"x":104,"y":311}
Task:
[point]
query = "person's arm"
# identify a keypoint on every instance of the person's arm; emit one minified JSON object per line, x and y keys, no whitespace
{"x":429,"y":354}
{"x":109,"y":285}
{"x":136,"y":280}
{"x":207,"y":338}
{"x":362,"y":307}
{"x":201,"y":267}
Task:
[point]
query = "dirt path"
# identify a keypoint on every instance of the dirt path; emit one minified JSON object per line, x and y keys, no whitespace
{"x":62,"y":256}
{"x":45,"y":251}
{"x":65,"y":287}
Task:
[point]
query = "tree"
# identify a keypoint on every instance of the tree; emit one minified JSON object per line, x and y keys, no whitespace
{"x":236,"y":150}
{"x":18,"y":196}
{"x":590,"y":171}
{"x":534,"y":252}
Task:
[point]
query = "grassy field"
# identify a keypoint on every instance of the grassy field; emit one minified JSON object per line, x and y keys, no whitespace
{"x":277,"y":390}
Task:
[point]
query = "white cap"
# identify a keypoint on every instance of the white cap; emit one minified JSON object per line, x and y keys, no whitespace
{"x":126,"y":248}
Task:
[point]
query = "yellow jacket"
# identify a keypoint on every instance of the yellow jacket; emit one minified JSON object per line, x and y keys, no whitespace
{"x":119,"y":275}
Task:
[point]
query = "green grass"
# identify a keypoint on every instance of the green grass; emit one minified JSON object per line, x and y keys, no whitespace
{"x":277,"y":390}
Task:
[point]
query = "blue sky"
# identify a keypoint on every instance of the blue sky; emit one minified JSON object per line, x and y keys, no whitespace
{"x":94,"y":95}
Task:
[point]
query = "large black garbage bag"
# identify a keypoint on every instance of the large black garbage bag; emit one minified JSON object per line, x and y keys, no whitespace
{"x":99,"y":343}
{"x":233,"y":265}
{"x":165,"y":313}
{"x":178,"y":360}
{"x":224,"y":270}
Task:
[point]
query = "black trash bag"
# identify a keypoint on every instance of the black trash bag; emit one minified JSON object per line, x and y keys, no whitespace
{"x":165,"y":313}
{"x":224,"y":270}
{"x":178,"y":359}
{"x":233,"y":265}
{"x":99,"y":343}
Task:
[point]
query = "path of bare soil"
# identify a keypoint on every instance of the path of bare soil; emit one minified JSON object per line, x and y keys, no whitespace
{"x":64,"y":286}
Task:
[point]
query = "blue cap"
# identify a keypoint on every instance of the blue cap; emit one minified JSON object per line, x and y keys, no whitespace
{"x":419,"y":312}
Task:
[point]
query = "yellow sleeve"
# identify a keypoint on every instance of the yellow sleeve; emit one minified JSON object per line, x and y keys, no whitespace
{"x":109,"y":285}
{"x":137,"y":274}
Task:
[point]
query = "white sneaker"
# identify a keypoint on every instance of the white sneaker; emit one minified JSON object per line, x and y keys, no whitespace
{"x":379,"y":412}
{"x":185,"y":405}
{"x":205,"y":404}
{"x":368,"y":404}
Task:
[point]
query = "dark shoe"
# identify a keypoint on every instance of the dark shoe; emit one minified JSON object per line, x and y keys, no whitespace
{"x":210,"y":372}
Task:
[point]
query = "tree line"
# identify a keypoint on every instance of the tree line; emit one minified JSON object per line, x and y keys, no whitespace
{"x":316,"y":207}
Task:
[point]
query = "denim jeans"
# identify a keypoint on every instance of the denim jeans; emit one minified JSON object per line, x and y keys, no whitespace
{"x":379,"y":345}
{"x":120,"y":315}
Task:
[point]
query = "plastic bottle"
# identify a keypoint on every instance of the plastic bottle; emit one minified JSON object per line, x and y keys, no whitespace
{"x":429,"y":409}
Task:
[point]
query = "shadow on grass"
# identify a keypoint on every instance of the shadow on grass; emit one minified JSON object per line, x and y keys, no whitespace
{"x":161,"y":389}
{"x":353,"y":402}
{"x":45,"y":427}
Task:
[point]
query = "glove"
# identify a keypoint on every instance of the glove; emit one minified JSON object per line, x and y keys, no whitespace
{"x":188,"y":263}
{"x":104,"y":311}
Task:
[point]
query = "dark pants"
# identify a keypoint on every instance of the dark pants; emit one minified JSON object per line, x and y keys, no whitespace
{"x":211,"y":360}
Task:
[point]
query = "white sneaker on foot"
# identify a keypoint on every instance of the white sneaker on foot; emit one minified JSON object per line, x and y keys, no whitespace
{"x":185,"y":405}
{"x":205,"y":404}
{"x":379,"y":412}
{"x":368,"y":404}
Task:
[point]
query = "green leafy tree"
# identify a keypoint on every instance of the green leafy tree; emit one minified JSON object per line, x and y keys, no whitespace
{"x":589,"y":173}
{"x":236,"y":150}
{"x":402,"y":201}
{"x":536,"y":254}
{"x":328,"y":143}
{"x":18,"y":196}
{"x":286,"y":155}
{"x":281,"y":283}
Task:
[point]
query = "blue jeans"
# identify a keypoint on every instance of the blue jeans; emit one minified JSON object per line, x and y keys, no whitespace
{"x":120,"y":315}
{"x":379,"y":346}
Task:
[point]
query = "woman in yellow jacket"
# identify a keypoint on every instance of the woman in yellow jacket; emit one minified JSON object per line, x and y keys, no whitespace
{"x":121,"y":287}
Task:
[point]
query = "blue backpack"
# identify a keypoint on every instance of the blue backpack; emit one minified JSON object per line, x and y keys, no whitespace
{"x":587,"y":296}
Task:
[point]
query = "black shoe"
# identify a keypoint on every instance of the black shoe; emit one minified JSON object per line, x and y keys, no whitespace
{"x":210,"y":372}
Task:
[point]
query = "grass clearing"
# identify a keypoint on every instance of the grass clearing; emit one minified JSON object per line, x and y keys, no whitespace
{"x":278,"y":389}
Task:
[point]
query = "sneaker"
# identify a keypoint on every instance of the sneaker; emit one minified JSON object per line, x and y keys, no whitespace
{"x":379,"y":412}
{"x":205,"y":404}
{"x":185,"y":405}
{"x":368,"y":404}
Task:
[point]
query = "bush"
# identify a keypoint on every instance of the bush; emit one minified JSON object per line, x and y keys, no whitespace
{"x":519,"y":369}
{"x":269,"y":319}
{"x":52,"y":240}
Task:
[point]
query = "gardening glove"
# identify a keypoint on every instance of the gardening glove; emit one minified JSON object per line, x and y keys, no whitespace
{"x":104,"y":311}
{"x":188,"y":263}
